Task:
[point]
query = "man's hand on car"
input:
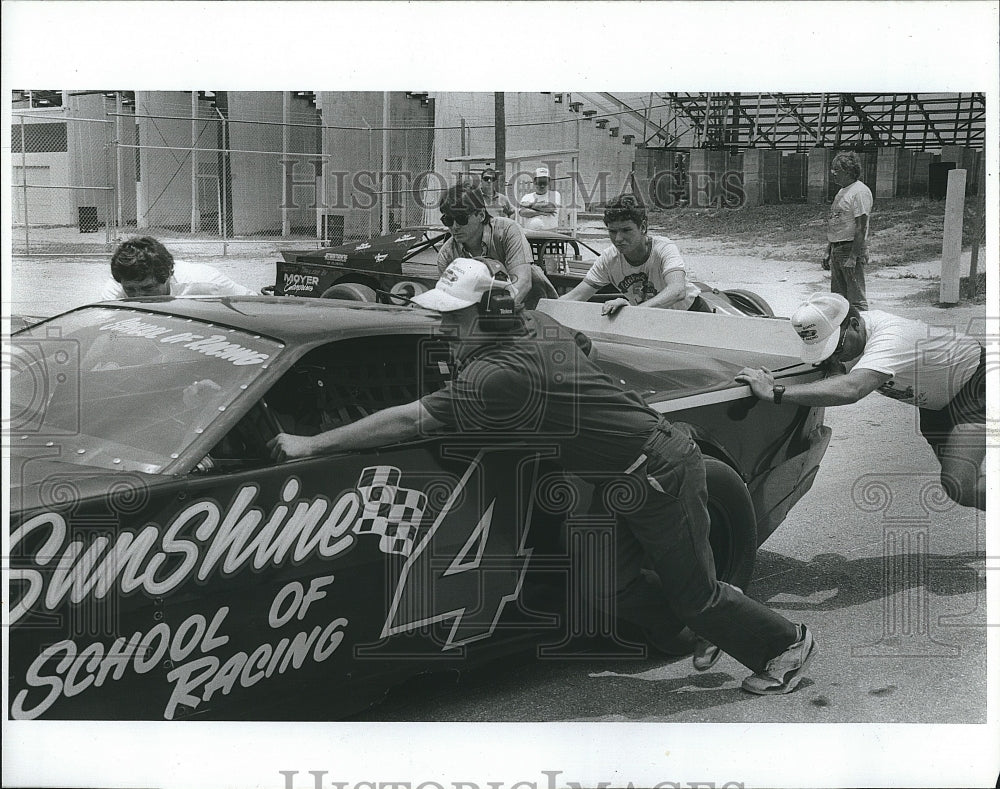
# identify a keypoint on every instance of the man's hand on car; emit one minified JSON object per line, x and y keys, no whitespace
{"x":285,"y":446}
{"x":611,"y":307}
{"x":760,"y":380}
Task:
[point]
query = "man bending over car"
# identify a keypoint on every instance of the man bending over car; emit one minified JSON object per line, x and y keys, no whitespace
{"x":506,"y":358}
{"x":649,"y":270}
{"x":143,"y":267}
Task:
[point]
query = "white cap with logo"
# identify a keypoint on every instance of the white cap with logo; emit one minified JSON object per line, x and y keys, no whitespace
{"x":542,"y":172}
{"x":817,"y":322}
{"x":463,"y":284}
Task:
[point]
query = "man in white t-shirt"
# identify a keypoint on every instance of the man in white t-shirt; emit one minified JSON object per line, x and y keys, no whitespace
{"x":939,"y":371}
{"x":143,"y":267}
{"x":847,"y":230}
{"x":540,"y":208}
{"x":649,"y":270}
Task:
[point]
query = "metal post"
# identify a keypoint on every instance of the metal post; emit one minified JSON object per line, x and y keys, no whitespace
{"x":195,"y":208}
{"x":951,"y":244}
{"x":500,"y":140}
{"x":120,"y":174}
{"x":286,"y":160}
{"x":385,"y":161}
{"x":24,"y":186}
{"x":224,"y":175}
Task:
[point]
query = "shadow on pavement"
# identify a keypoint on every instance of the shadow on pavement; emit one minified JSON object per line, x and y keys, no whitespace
{"x":847,"y":582}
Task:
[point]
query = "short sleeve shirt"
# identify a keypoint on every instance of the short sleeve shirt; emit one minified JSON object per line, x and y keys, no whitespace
{"x":188,"y":279}
{"x":852,"y":201}
{"x":499,"y":205}
{"x":503,"y":241}
{"x":928,"y":364}
{"x":640,"y":283}
{"x":544,"y":221}
{"x":541,"y":386}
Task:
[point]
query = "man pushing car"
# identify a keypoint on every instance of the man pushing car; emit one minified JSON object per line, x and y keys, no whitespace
{"x":941,"y":372}
{"x":522,"y":374}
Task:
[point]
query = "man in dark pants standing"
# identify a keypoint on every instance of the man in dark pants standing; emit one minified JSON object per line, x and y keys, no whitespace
{"x":847,"y":231}
{"x":523,"y":373}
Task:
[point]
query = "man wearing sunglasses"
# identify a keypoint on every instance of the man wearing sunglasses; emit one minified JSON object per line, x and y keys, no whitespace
{"x":941,"y":372}
{"x":541,"y":207}
{"x":477,"y":234}
{"x":495,"y":200}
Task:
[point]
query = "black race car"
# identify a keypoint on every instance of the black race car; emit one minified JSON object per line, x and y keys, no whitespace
{"x":163,"y":567}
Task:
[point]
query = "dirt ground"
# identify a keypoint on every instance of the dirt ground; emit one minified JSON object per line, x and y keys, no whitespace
{"x":46,"y":286}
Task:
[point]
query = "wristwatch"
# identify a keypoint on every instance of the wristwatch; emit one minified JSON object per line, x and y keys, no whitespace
{"x":776,"y":392}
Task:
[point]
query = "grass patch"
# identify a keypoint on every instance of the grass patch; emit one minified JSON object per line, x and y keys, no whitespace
{"x":903,"y":229}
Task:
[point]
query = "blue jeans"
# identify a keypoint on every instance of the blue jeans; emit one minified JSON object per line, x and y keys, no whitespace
{"x":848,"y":281}
{"x":670,"y":527}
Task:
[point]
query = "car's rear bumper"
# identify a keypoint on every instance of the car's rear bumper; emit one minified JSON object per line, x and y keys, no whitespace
{"x":795,"y":476}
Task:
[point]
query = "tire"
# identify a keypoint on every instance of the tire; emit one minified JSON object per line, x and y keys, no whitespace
{"x":734,"y":524}
{"x":750,"y":302}
{"x":350,"y":291}
{"x":408,"y":288}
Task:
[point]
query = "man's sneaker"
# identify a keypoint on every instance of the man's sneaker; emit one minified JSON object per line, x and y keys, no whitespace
{"x":706,"y":655}
{"x":784,"y":672}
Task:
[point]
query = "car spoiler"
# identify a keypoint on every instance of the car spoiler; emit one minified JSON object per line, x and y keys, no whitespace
{"x":728,"y":337}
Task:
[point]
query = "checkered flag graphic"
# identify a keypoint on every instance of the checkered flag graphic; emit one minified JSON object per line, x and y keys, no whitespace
{"x":391,"y":512}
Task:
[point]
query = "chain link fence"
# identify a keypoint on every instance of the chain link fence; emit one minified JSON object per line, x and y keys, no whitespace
{"x":63,"y":196}
{"x":213,"y":175}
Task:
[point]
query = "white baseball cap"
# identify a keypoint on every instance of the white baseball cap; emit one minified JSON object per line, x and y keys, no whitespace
{"x":817,"y":322}
{"x":462,"y":285}
{"x":542,"y":172}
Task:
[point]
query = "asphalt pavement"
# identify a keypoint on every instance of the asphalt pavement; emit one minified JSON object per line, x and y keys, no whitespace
{"x":889,"y":578}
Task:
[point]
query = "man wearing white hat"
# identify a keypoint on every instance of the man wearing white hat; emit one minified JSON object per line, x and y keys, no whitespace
{"x":523,"y":376}
{"x":540,"y":208}
{"x":939,"y":371}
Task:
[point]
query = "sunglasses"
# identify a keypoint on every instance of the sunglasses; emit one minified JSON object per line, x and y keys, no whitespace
{"x":840,"y":345}
{"x":459,"y":218}
{"x":488,"y":178}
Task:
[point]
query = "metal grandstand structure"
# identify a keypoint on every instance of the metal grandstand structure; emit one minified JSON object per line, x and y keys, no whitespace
{"x":798,"y":121}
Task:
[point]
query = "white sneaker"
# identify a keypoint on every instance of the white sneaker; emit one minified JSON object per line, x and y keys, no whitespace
{"x":784,"y":672}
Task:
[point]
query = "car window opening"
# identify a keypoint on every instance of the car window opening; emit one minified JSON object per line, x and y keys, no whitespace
{"x":335,"y":385}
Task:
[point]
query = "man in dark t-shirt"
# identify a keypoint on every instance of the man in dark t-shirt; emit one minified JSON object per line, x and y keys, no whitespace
{"x":522,"y":374}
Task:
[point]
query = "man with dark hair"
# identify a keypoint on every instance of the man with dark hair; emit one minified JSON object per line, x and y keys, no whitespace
{"x":530,"y":379}
{"x":495,"y":200}
{"x":847,"y":230}
{"x":477,"y":234}
{"x":143,"y":267}
{"x":939,"y":371}
{"x":648,"y":269}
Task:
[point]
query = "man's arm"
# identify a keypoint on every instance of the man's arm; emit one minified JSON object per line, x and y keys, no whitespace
{"x":388,"y":426}
{"x":581,"y":292}
{"x":837,"y":390}
{"x":675,"y":290}
{"x":520,"y":278}
{"x":859,"y":247}
{"x":447,"y":254}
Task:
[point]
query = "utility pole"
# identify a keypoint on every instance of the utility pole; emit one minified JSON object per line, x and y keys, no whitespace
{"x":385,"y":162}
{"x":500,"y":150}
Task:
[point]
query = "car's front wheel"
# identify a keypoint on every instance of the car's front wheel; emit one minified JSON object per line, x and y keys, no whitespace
{"x":734,"y":525}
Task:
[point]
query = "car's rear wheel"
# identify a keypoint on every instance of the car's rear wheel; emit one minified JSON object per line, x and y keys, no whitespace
{"x":734,"y":525}
{"x":750,"y":302}
{"x":408,"y":288}
{"x":350,"y":291}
